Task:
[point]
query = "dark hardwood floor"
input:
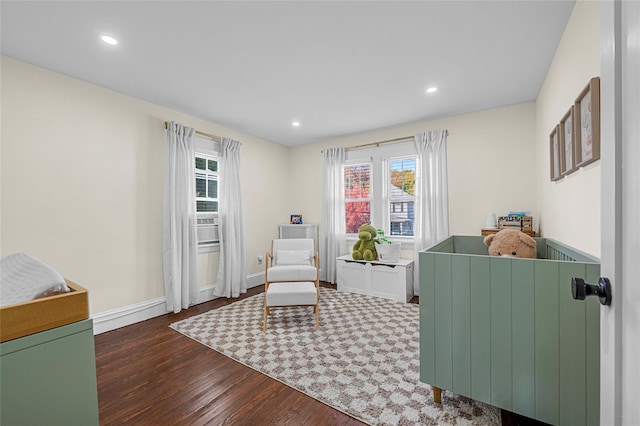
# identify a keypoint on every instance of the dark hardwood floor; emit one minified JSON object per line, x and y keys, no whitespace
{"x":148,"y":374}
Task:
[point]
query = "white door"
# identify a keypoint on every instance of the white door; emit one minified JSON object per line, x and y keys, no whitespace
{"x":620,"y":156}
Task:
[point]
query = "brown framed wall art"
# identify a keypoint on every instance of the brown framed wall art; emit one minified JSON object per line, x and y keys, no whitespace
{"x":587,"y":124}
{"x":567,"y":143}
{"x":554,"y":154}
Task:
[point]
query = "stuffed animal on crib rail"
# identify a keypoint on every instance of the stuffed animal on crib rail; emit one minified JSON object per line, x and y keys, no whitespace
{"x":511,"y":243}
{"x":365,"y":247}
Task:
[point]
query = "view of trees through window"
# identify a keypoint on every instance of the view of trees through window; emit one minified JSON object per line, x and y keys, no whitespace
{"x":357,"y":194}
{"x":402,"y":174}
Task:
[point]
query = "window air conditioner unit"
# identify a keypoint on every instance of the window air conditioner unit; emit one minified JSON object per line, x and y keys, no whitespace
{"x":208,"y":231}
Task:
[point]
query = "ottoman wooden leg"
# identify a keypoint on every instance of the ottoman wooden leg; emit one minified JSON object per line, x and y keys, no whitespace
{"x":437,"y":395}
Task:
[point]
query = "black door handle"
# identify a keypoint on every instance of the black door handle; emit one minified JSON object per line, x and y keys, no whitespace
{"x":581,"y":289}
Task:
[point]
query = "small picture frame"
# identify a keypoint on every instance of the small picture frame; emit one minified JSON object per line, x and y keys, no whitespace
{"x":554,"y":154}
{"x":567,"y":143}
{"x":295,"y":219}
{"x":587,"y":124}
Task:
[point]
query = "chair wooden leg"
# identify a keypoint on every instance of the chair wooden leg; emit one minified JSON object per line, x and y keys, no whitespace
{"x":437,"y":394}
{"x":266,"y":308}
{"x":264,"y":322}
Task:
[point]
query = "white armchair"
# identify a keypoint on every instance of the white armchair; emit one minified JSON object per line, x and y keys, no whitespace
{"x":291,"y":276}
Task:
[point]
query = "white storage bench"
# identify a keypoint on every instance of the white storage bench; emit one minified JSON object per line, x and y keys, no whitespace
{"x":375,"y":278}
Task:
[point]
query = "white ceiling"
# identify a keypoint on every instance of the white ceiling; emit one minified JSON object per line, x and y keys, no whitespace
{"x":337,"y":67}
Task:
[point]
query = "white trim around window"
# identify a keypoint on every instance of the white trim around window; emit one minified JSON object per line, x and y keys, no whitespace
{"x":207,"y":222}
{"x":380,"y":158}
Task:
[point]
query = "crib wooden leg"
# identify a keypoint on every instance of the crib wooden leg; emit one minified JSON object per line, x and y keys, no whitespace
{"x":437,"y":395}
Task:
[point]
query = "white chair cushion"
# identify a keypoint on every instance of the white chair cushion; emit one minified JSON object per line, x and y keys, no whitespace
{"x":291,"y":294}
{"x":293,"y":257}
{"x":292,"y":273}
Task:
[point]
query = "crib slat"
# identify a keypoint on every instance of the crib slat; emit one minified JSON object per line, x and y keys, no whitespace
{"x":501,"y":362}
{"x":444,"y":330}
{"x":461,"y":318}
{"x":522,"y":278}
{"x":572,"y":348}
{"x":427,"y":319}
{"x":480,"y":328}
{"x":547,"y":352}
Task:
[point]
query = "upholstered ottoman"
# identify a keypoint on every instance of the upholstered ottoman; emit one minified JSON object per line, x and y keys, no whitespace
{"x":299,"y":293}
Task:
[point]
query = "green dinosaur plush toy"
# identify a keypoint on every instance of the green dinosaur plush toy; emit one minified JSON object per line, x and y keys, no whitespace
{"x":365,"y":247}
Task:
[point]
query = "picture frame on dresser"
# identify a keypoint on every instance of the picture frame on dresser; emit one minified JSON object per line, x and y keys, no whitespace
{"x":554,"y":154}
{"x":587,"y":123}
{"x":567,"y":143}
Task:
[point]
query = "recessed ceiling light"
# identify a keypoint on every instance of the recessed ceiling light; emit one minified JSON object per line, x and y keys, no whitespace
{"x":109,"y":40}
{"x":432,"y":89}
{"x":295,"y":124}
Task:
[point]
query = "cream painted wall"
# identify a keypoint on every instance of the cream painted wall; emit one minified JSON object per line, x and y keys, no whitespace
{"x":82,"y":181}
{"x":570,"y":208}
{"x":491,"y":165}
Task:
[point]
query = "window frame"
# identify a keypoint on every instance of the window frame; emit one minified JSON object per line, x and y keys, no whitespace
{"x":355,"y":200}
{"x":389,"y":200}
{"x":379,"y":209}
{"x":207,"y":175}
{"x":211,"y":150}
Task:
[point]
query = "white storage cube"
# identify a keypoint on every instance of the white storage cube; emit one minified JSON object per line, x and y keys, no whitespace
{"x":388,"y":280}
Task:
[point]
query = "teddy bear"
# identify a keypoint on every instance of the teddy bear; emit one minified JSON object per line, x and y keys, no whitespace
{"x":365,"y":247}
{"x":511,"y":243}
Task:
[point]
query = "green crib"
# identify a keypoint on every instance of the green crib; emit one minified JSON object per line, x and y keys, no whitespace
{"x":506,"y":331}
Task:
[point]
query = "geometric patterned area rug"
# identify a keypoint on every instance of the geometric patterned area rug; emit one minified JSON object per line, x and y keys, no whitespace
{"x":364,"y":360}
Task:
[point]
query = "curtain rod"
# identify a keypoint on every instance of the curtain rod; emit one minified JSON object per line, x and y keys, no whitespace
{"x":206,"y":135}
{"x":377,"y":144}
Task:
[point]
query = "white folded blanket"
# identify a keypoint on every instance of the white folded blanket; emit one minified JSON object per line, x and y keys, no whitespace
{"x":24,"y":278}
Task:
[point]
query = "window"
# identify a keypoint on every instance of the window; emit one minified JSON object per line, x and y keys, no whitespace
{"x":206,"y":184}
{"x":400,"y":198}
{"x":357,"y":195}
{"x":207,"y":167}
{"x":379,"y":189}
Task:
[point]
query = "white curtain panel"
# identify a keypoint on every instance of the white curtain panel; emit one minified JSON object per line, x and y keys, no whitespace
{"x":431,"y":194}
{"x":179,"y":238}
{"x":232,"y":274}
{"x":332,"y":229}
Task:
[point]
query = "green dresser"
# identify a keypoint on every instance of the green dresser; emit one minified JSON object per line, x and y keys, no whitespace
{"x":49,"y":378}
{"x":507,"y":332}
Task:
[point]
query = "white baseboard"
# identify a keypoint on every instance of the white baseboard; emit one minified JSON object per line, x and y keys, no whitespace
{"x":127,"y":315}
{"x":254,"y":280}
